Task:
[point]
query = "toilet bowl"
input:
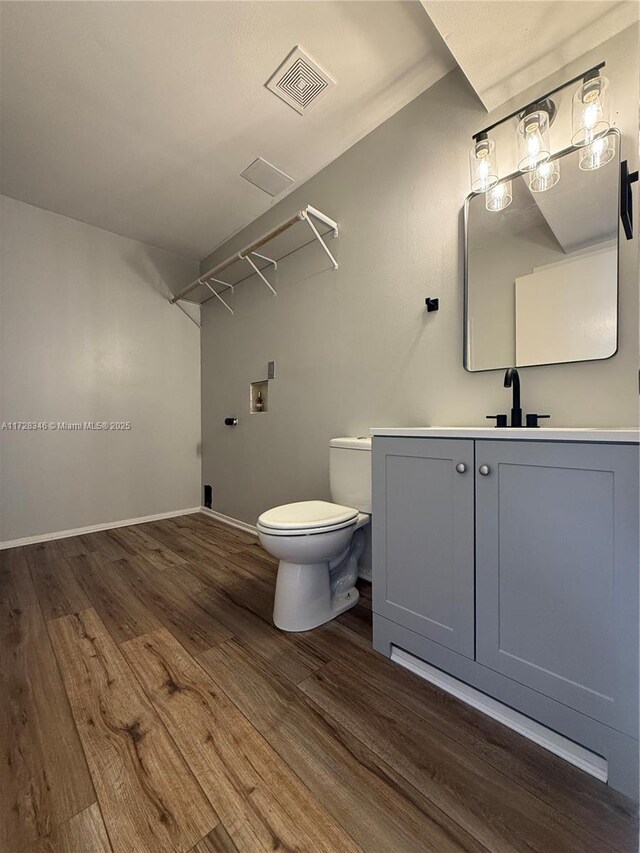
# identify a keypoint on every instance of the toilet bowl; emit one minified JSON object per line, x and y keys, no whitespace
{"x":319,"y":543}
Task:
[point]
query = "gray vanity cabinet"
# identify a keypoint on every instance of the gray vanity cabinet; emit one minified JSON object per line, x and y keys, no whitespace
{"x":517,"y":575}
{"x":557,"y":572}
{"x":423,"y":506}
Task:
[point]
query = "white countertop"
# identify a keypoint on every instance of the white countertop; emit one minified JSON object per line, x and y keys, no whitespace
{"x":625,"y":436}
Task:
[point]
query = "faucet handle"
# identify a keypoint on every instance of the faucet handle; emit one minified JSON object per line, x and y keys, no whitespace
{"x":532,"y":419}
{"x":501,"y":420}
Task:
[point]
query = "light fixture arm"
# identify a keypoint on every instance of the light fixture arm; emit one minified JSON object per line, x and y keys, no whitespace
{"x":585,"y":76}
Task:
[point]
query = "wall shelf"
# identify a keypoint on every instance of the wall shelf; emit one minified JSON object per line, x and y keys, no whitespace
{"x":259,"y":391}
{"x":249,"y":261}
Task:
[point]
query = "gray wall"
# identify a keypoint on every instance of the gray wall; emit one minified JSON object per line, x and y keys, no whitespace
{"x":355,"y":348}
{"x":87,"y":333}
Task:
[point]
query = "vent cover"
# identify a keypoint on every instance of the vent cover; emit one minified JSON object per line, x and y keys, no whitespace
{"x":266,"y":177}
{"x":300,"y":82}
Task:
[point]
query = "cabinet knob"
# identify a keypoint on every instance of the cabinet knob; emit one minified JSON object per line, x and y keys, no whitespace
{"x":461,"y":467}
{"x":484,"y":470}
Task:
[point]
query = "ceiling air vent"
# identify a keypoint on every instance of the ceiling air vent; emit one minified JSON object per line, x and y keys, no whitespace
{"x":300,"y":82}
{"x":267,"y":177}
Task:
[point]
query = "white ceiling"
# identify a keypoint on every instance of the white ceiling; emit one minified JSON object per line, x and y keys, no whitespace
{"x":506,"y":46}
{"x":139,"y":117}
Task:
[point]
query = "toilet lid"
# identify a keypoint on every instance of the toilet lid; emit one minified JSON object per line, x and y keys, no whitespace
{"x":305,"y":514}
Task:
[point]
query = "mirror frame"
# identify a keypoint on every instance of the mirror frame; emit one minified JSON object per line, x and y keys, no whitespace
{"x":517,"y":174}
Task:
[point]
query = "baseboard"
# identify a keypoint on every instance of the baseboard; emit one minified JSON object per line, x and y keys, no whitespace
{"x":572,"y":752}
{"x":231,"y":522}
{"x":94,"y":528}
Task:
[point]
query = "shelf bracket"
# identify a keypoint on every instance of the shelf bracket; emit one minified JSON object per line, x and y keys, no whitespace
{"x":265,"y":258}
{"x":186,"y":313}
{"x":307,"y":218}
{"x":255,"y":269}
{"x":217,"y":295}
{"x":225,"y":284}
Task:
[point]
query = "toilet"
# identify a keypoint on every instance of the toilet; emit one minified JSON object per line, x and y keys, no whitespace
{"x":319,"y":544}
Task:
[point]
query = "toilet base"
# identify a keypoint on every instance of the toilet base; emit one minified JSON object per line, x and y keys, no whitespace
{"x":345,"y":601}
{"x":303,"y":597}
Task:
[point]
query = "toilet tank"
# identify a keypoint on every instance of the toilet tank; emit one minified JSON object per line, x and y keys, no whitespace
{"x":350,"y":472}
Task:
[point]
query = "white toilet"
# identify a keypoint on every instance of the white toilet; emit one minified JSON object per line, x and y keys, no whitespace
{"x":319,"y":544}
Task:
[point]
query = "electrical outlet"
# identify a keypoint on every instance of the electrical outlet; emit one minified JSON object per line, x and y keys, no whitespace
{"x":271,"y":370}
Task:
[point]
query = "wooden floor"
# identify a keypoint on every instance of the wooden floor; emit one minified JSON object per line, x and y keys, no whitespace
{"x":148,"y":704}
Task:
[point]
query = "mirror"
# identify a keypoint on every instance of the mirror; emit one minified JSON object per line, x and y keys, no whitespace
{"x":541,"y":275}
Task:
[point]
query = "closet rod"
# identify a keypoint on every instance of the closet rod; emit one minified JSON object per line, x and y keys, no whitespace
{"x":300,"y":216}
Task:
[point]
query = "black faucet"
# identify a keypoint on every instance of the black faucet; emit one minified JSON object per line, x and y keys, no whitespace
{"x":512,"y":380}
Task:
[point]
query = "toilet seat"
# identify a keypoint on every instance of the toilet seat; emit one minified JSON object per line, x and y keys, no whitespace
{"x":306,"y":518}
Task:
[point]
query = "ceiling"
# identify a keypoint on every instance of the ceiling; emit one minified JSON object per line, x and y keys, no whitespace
{"x":139,"y":117}
{"x":505,"y":46}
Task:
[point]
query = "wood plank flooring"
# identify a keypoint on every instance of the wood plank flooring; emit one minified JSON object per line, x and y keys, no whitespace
{"x":44,"y":779}
{"x":150,"y":705}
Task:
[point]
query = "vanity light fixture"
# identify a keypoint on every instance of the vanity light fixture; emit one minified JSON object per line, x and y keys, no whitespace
{"x":590,"y":118}
{"x":499,"y":197}
{"x":482,"y":164}
{"x":545,"y":176}
{"x":590,"y":122}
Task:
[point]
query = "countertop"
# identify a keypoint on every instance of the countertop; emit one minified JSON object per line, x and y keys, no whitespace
{"x":617,"y":436}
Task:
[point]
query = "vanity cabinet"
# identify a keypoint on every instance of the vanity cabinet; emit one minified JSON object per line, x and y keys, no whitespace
{"x":513,"y":566}
{"x":426,"y":536}
{"x":556,"y":572}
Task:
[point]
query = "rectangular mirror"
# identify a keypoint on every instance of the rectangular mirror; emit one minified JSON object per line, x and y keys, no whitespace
{"x":541,"y":274}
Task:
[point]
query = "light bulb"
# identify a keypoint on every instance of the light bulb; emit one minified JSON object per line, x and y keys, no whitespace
{"x":590,"y":117}
{"x":499,"y":197}
{"x":545,"y":176}
{"x":533,"y":140}
{"x":482,"y":165}
{"x":600,"y":152}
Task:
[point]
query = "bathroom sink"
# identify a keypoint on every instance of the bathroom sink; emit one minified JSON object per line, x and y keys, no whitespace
{"x":547,"y":433}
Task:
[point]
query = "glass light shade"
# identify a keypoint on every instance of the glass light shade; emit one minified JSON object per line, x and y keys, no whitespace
{"x":590,"y":118}
{"x":545,"y":176}
{"x":499,"y":197}
{"x":533,"y":140}
{"x":600,"y":152}
{"x":482,"y":165}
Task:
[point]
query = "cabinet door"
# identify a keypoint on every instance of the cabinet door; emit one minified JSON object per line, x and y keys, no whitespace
{"x":423,"y":574}
{"x":557,"y":572}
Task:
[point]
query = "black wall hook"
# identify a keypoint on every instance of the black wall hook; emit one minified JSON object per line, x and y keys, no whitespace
{"x":432,"y":304}
{"x":626,"y":198}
